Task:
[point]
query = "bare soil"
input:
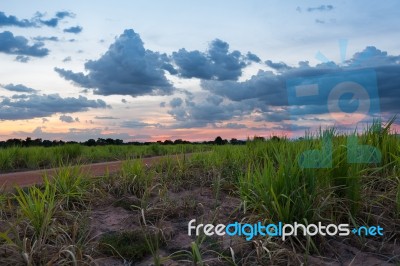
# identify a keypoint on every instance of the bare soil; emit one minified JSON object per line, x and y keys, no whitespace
{"x":201,"y":204}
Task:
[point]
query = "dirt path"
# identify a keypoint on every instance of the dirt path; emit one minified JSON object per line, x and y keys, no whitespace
{"x":29,"y":178}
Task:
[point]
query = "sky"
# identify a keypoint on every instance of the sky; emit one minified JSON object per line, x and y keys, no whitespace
{"x":157,"y":70}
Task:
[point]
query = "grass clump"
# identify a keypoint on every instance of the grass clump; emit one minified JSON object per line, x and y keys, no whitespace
{"x":71,"y":186}
{"x":38,"y":206}
{"x":135,"y":179}
{"x":129,"y":245}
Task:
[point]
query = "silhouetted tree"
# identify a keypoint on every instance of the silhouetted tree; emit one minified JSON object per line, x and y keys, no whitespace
{"x":178,"y":141}
{"x":90,"y":142}
{"x":101,"y":141}
{"x":219,"y":141}
{"x":257,"y":138}
{"x":275,"y":138}
{"x":47,"y":143}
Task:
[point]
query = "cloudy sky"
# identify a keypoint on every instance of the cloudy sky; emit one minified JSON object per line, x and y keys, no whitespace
{"x":156,"y":70}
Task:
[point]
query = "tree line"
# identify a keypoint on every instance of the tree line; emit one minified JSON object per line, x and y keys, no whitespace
{"x":38,"y":142}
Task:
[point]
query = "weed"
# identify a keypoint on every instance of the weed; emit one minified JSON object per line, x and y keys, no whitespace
{"x":134,"y":177}
{"x":38,"y":207}
{"x":71,"y":186}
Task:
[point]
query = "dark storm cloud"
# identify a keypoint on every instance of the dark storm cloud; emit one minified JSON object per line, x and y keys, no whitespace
{"x":192,"y":64}
{"x":264,"y":86}
{"x":269,"y":89}
{"x":76,"y":29}
{"x":203,"y":113}
{"x":127,"y":68}
{"x":320,"y":8}
{"x":387,"y":68}
{"x":18,"y":88}
{"x":19,"y":45}
{"x":373,"y":57}
{"x":215,"y":64}
{"x":170,"y":68}
{"x":389,"y":88}
{"x":265,"y":90}
{"x":34,"y":106}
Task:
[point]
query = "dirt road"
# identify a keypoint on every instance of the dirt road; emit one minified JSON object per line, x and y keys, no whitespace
{"x":29,"y":178}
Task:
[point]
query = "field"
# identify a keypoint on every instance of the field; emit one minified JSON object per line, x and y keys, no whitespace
{"x":30,"y":158}
{"x":140,"y":216}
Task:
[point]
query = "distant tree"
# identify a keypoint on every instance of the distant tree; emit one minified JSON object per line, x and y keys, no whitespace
{"x":37,"y":142}
{"x":110,"y":141}
{"x":28,"y":142}
{"x":101,"y":141}
{"x":47,"y":143}
{"x":275,"y":138}
{"x":178,"y":141}
{"x":258,"y":138}
{"x":219,"y":141}
{"x":90,"y":142}
{"x":168,"y":142}
{"x":13,"y":142}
